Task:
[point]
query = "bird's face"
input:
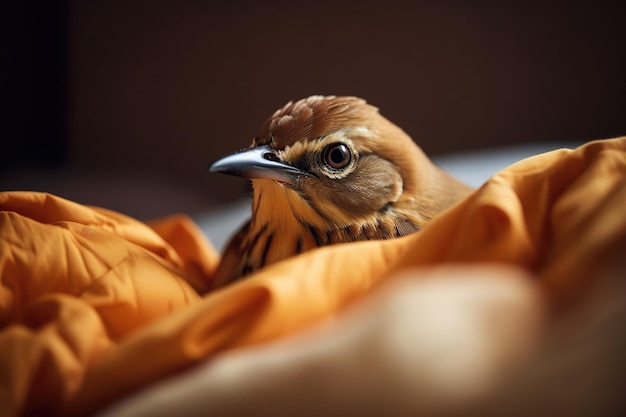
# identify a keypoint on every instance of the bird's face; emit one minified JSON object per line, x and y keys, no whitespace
{"x":326,"y":171}
{"x":343,"y":181}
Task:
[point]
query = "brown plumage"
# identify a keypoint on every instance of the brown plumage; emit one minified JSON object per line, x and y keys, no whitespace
{"x":329,"y":170}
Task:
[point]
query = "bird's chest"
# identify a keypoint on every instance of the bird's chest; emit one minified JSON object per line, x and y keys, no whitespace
{"x":261,"y":244}
{"x":264,"y":245}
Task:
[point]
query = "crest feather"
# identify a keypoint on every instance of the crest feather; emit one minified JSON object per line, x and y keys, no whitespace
{"x":312,"y":117}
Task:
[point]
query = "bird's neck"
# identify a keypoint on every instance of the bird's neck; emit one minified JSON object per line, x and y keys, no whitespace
{"x":294,"y":227}
{"x":290,"y":215}
{"x":285,"y":217}
{"x":286,"y":224}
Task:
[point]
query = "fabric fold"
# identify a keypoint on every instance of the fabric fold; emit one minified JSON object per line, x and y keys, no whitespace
{"x":95,"y":305}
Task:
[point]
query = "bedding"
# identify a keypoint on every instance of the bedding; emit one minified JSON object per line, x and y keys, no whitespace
{"x":95,"y":306}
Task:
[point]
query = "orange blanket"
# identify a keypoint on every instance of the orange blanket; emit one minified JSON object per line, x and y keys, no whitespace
{"x":94,"y":305}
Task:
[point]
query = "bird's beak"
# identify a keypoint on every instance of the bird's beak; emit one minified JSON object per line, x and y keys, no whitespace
{"x":258,"y":162}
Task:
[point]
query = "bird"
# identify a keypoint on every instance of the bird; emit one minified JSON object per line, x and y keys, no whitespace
{"x":328,"y":170}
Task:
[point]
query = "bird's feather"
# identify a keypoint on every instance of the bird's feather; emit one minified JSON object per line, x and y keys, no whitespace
{"x":388,"y":188}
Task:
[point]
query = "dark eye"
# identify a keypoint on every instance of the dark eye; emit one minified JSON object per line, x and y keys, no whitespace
{"x":337,"y":155}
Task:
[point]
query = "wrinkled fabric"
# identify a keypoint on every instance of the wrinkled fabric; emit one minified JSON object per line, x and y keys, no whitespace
{"x":95,"y":305}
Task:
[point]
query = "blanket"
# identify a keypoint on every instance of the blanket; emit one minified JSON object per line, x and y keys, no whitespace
{"x":95,"y":305}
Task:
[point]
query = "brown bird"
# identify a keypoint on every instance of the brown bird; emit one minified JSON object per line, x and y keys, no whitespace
{"x":328,"y":170}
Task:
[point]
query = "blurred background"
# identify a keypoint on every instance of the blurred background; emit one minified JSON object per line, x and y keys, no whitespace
{"x":123,"y":104}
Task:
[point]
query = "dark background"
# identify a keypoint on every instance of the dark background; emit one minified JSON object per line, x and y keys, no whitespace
{"x":123,"y":103}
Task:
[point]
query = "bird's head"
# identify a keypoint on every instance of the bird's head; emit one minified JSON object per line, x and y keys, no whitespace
{"x":333,"y":160}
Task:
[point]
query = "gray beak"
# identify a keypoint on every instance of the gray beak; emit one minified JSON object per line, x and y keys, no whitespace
{"x":258,"y":162}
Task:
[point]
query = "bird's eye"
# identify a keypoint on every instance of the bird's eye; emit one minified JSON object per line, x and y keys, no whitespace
{"x":337,"y":155}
